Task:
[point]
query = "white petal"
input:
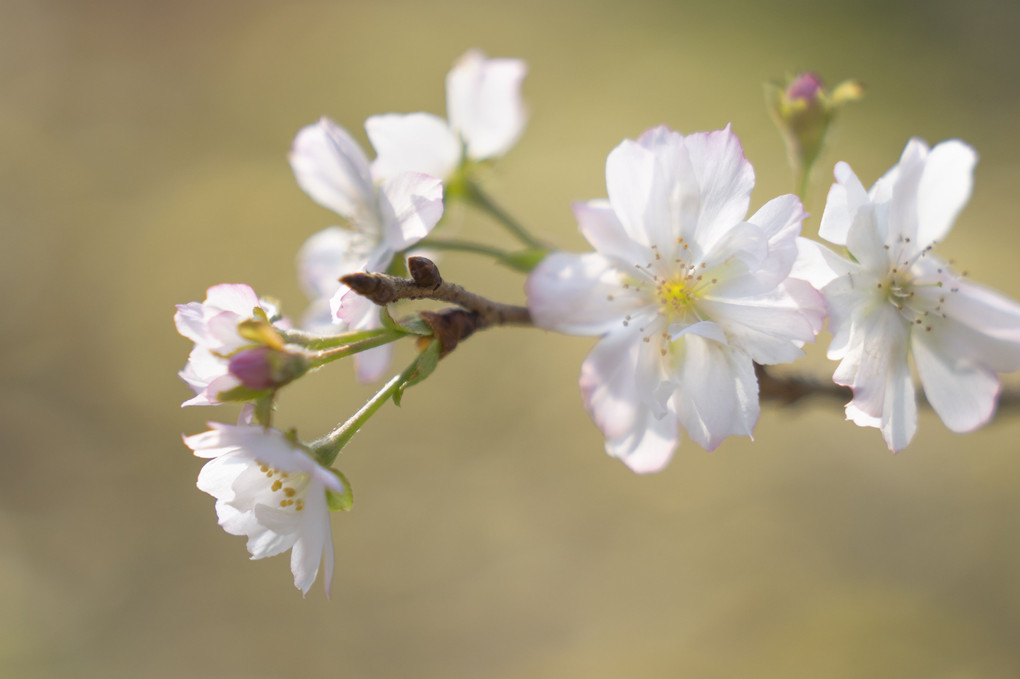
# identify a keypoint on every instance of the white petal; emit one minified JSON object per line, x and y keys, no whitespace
{"x":903,"y":203}
{"x":649,"y":445}
{"x":609,"y":386}
{"x":602,"y":229}
{"x":483,"y":102}
{"x":866,"y":242}
{"x":329,"y":254}
{"x":411,"y":204}
{"x":579,"y":294}
{"x":416,"y":142}
{"x":944,"y":189}
{"x":818,"y":264}
{"x":331,"y":168}
{"x":630,"y":182}
{"x":780,"y":220}
{"x":236,"y":297}
{"x":315,"y":532}
{"x":720,"y":392}
{"x":845,"y":197}
{"x":874,"y":365}
{"x":961,"y":393}
{"x":725,"y":180}
{"x":771,"y":327}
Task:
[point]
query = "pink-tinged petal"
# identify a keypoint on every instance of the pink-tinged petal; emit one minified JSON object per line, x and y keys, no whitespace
{"x":963,"y":394}
{"x":602,"y":229}
{"x":609,"y":388}
{"x":222,"y":336}
{"x":331,"y":168}
{"x":236,"y":297}
{"x":416,"y":142}
{"x":673,"y":205}
{"x":580,"y":294}
{"x":411,"y":204}
{"x":649,"y":445}
{"x":944,"y":189}
{"x":483,"y":102}
{"x":725,"y":180}
{"x":371,"y":365}
{"x":630,"y":182}
{"x":329,"y":254}
{"x":720,"y":391}
{"x":990,"y":340}
{"x":190,"y":321}
{"x":771,"y":327}
{"x":845,"y":196}
{"x":351,"y":308}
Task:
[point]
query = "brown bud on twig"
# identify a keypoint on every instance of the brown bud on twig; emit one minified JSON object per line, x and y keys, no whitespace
{"x":424,"y":272}
{"x":450,"y":326}
{"x":368,"y":286}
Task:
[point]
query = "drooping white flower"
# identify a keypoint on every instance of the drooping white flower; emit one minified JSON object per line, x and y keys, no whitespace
{"x":485,"y":117}
{"x":896,"y":300}
{"x":212,"y":326}
{"x":380,"y":222}
{"x":685,"y":291}
{"x":269,"y":489}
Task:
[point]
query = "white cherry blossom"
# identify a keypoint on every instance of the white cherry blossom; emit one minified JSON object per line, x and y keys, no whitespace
{"x":896,"y":300}
{"x":380,"y":221}
{"x":212,"y":326}
{"x":486,"y":116}
{"x":685,"y":291}
{"x":270,"y":490}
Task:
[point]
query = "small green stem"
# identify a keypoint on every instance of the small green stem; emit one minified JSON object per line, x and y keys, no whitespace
{"x":474,"y":194}
{"x":462,"y":246}
{"x":319,"y":343}
{"x":328,"y":447}
{"x":376,"y":339}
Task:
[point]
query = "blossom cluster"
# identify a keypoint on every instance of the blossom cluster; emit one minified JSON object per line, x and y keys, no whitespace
{"x":690,"y":294}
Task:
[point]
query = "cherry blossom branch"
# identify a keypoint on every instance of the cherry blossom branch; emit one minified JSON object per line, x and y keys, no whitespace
{"x":427,"y":283}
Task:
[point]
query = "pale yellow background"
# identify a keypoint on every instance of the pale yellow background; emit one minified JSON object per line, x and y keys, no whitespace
{"x":143,"y":158}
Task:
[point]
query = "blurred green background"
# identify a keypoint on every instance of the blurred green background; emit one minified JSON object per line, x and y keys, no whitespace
{"x":143,"y":158}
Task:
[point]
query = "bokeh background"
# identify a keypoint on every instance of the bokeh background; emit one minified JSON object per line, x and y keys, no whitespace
{"x":143,"y":158}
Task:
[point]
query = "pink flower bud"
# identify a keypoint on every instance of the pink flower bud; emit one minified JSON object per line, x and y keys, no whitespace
{"x":265,"y":368}
{"x":807,"y":85}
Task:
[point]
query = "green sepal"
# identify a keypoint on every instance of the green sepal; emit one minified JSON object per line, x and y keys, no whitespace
{"x":388,"y":322}
{"x":264,"y":409}
{"x":340,"y":502}
{"x":524,"y":260}
{"x":261,"y":332}
{"x":423,"y":367}
{"x":413,"y":325}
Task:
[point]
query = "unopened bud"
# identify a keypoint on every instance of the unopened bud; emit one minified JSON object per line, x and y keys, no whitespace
{"x":803,"y":109}
{"x":261,"y":368}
